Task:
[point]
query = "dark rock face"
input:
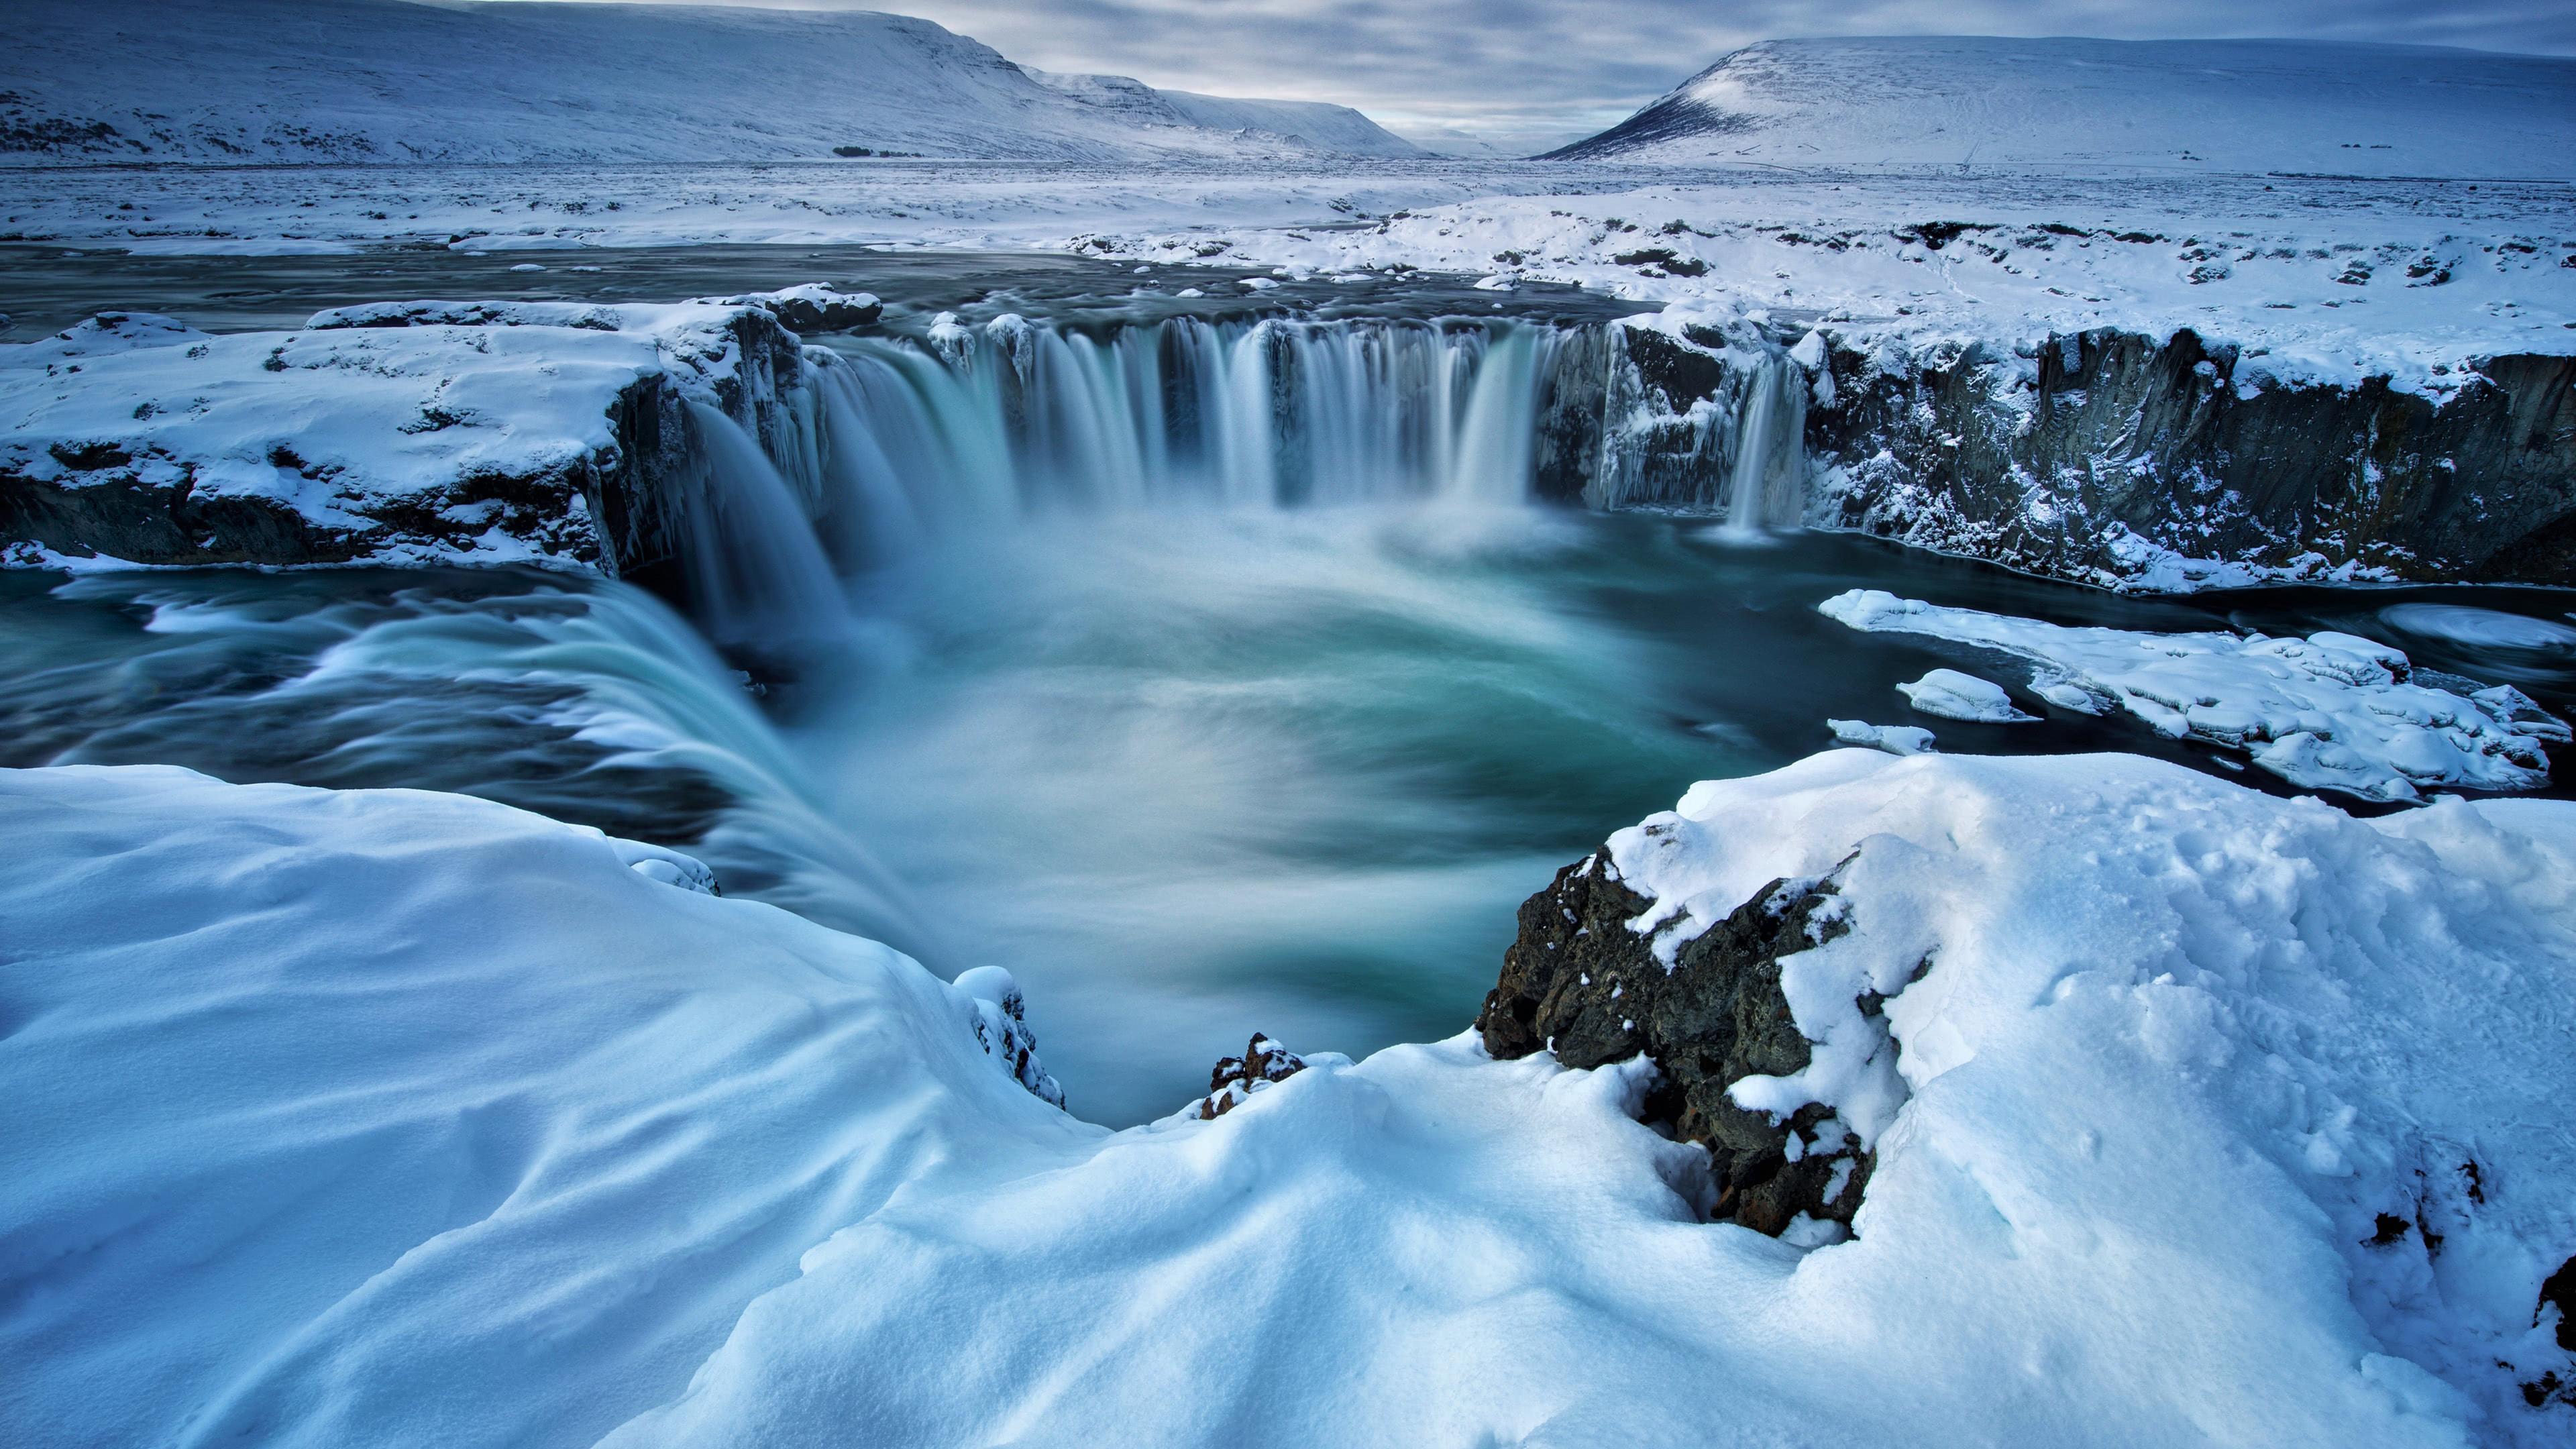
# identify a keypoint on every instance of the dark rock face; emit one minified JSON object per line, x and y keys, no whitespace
{"x":622,"y":510}
{"x":2119,"y":438}
{"x":110,"y":509}
{"x":1579,"y":980}
{"x":2088,"y":456}
{"x":1232,"y":1083}
{"x":2551,"y":1386}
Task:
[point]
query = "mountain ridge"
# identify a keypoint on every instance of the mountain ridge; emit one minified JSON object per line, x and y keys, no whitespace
{"x":393,"y":81}
{"x":2188,"y":106}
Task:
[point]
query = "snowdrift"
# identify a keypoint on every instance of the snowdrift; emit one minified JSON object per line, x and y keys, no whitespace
{"x":391,"y":81}
{"x":2180,"y":106}
{"x":397,"y":1118}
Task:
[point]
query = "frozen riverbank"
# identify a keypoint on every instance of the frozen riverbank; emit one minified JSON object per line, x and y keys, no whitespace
{"x":2289,"y":1165}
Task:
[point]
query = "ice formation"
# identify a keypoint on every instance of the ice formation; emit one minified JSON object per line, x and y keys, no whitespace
{"x":1953,"y":695}
{"x":1895,"y":739}
{"x":2331,"y":711}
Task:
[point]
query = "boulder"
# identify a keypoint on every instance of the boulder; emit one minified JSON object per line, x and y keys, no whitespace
{"x":1580,"y":982}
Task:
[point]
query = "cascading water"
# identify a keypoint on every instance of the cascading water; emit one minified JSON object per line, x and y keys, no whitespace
{"x":1182,"y":668}
{"x":896,"y":443}
{"x":1767,"y":480}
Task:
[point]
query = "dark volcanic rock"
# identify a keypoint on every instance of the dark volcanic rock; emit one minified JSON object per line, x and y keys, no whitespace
{"x":2094,"y":456}
{"x":1263,"y":1062}
{"x":2115,"y":440}
{"x":1580,"y":981}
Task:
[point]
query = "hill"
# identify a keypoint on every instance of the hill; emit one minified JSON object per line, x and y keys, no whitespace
{"x":2175,"y":105}
{"x":381,"y":81}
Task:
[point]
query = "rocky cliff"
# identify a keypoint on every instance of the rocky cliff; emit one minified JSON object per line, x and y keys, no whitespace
{"x":2109,"y":457}
{"x":428,"y":432}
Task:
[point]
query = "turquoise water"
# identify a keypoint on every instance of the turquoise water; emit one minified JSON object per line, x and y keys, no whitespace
{"x":1189,"y":775}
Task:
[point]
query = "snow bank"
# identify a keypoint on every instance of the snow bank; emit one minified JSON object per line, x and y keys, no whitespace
{"x":422,"y":1120}
{"x":2331,"y":711}
{"x":2155,"y":1091}
{"x":388,"y":1117}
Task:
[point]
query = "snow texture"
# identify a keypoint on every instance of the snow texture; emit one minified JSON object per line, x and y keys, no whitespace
{"x":1963,"y":102}
{"x":390,"y":1117}
{"x":2331,"y":711}
{"x":434,"y":1122}
{"x":369,"y":413}
{"x":385,"y":80}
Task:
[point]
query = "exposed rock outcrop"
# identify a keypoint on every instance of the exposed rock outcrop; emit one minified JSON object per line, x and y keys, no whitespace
{"x":2104,"y":457}
{"x":417,"y":432}
{"x":1236,"y":1078}
{"x":2096,"y":452}
{"x":1581,"y":982}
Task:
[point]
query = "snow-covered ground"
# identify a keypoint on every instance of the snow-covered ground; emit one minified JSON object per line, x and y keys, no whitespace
{"x":303,"y":81}
{"x":398,"y":1118}
{"x":2313,"y":279}
{"x":2178,"y":106}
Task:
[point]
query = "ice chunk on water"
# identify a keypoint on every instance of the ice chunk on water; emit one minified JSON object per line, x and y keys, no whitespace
{"x":1895,"y":739}
{"x":1953,"y":695}
{"x":2333,"y":710}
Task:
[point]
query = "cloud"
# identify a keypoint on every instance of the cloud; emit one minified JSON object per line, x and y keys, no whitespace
{"x":1532,"y":74}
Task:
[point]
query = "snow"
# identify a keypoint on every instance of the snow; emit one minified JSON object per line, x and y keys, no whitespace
{"x":2168,"y":105}
{"x":1895,"y":739}
{"x":390,"y":1117}
{"x":436,"y":1122}
{"x":1953,"y":695}
{"x":2331,"y":711}
{"x":384,"y":80}
{"x":366,"y":412}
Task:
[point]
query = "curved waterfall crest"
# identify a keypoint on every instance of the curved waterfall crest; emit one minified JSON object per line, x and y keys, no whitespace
{"x":889,"y":444}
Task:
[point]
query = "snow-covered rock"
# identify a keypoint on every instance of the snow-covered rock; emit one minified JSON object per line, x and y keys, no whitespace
{"x":2331,"y":711}
{"x":402,"y":1119}
{"x":390,"y":81}
{"x":2175,"y":106}
{"x":401,"y":432}
{"x":1895,"y":739}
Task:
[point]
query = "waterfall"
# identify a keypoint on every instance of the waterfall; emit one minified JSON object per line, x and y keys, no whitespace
{"x":756,"y":570}
{"x":1766,"y":482}
{"x":896,"y":442}
{"x":891,"y":445}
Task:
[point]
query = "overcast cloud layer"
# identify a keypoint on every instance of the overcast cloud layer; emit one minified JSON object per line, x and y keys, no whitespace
{"x":1528,"y":75}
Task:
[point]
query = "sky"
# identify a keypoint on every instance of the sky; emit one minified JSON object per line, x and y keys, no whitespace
{"x":1525,"y":75}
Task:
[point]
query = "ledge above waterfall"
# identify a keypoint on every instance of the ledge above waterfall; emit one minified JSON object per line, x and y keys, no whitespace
{"x":412,"y":432}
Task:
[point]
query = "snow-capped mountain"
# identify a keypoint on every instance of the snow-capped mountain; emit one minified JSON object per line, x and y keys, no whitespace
{"x":394,"y":81}
{"x":2177,"y":105}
